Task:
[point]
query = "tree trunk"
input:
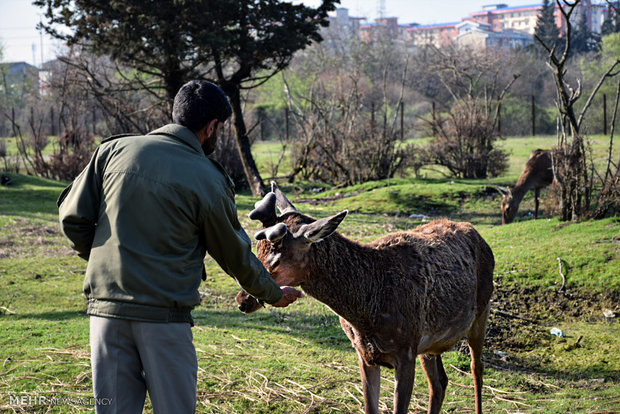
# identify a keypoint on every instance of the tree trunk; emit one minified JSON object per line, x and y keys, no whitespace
{"x":243,"y":146}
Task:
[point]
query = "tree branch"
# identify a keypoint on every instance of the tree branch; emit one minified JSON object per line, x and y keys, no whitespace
{"x":609,"y":73}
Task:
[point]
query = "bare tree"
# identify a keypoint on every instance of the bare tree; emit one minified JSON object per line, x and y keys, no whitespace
{"x":348,"y":122}
{"x":574,"y":172}
{"x":467,"y":125}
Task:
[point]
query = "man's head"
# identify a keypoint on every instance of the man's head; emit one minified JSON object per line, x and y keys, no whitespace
{"x":202,"y":107}
{"x":198,"y":103}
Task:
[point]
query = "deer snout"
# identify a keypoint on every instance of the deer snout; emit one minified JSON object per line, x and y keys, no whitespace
{"x":247,"y":303}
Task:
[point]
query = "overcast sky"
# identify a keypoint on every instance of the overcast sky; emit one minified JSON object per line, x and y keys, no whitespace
{"x":22,"y":42}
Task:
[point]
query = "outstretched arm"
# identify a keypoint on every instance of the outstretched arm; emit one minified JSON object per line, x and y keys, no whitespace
{"x":289,"y":296}
{"x":228,"y":243}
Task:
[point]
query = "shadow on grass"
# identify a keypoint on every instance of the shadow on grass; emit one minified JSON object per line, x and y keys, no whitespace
{"x":409,"y":204}
{"x":598,"y":372}
{"x":48,"y":316}
{"x":476,"y":218}
{"x":325,"y":332}
{"x":321,"y":329}
{"x":29,"y":196}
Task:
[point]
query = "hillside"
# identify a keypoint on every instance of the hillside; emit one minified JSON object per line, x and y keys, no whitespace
{"x":297,"y":359}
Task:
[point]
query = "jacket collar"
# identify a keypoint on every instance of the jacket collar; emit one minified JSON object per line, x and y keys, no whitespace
{"x":181,"y":133}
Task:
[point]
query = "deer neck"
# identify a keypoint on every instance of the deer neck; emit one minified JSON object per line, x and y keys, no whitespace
{"x":337,"y":278}
{"x":521,"y":188}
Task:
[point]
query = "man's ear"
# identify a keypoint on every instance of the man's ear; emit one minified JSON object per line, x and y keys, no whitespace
{"x":206,"y":131}
{"x":211,"y":126}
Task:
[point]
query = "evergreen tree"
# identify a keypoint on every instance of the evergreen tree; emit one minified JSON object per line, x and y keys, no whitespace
{"x":235,"y":43}
{"x":583,"y":39}
{"x":611,"y":24}
{"x":547,"y":32}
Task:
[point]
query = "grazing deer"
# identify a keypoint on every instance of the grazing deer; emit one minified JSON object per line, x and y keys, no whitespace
{"x":406,"y":294}
{"x":538,"y":173}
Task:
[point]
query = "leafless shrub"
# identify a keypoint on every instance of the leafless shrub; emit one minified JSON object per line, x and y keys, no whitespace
{"x":344,"y":137}
{"x":465,"y":143}
{"x":582,"y":192}
{"x":466,"y":128}
{"x":75,"y":147}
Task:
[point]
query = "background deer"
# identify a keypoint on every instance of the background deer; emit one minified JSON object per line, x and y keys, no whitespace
{"x":538,"y":173}
{"x":405,"y":294}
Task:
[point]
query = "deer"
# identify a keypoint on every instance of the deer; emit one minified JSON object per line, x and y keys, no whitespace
{"x":537,"y":174}
{"x":406,"y":294}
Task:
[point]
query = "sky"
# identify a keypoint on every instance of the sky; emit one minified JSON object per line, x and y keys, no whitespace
{"x":21,"y":41}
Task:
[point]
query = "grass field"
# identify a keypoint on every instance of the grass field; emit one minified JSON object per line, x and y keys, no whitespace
{"x":298,"y":360}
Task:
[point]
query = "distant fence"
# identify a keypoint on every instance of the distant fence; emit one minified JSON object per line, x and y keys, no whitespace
{"x":519,"y":116}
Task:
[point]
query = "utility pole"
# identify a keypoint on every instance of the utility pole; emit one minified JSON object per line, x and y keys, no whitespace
{"x":381,"y":8}
{"x":41,"y":40}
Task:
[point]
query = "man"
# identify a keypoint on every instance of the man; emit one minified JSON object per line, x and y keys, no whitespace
{"x":143,"y":213}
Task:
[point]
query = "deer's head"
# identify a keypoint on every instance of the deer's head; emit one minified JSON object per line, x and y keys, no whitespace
{"x":285,"y":241}
{"x":509,"y":207}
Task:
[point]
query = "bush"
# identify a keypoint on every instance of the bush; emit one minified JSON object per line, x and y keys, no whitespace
{"x":75,"y":148}
{"x":465,"y":143}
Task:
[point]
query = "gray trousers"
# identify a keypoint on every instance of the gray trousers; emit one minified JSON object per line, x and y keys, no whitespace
{"x":130,"y":357}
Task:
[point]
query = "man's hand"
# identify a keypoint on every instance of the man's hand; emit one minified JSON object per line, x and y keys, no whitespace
{"x":289,"y":296}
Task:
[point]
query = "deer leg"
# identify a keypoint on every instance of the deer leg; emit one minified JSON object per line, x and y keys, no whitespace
{"x":371,"y":383}
{"x":536,"y":194}
{"x":405,"y":375}
{"x":475,"y":339}
{"x":437,"y":381}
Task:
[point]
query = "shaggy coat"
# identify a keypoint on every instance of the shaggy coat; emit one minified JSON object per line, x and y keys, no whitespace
{"x":418,"y":290}
{"x":405,"y":294}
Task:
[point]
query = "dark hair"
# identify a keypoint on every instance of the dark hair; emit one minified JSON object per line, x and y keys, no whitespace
{"x":199,"y":102}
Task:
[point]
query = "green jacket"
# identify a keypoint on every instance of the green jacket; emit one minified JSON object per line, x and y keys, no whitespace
{"x":143,"y":213}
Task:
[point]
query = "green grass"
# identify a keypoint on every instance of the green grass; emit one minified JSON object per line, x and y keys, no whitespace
{"x":527,"y":253}
{"x":298,"y":359}
{"x":269,"y":158}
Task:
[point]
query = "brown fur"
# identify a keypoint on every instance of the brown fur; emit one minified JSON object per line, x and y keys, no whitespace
{"x":407,"y":293}
{"x":538,"y":173}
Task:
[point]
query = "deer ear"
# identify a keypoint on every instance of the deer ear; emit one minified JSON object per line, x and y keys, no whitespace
{"x":504,"y":191}
{"x":320,"y":229}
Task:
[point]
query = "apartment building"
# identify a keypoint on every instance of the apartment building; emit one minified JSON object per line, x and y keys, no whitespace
{"x":495,"y":25}
{"x":388,"y":25}
{"x":342,"y":22}
{"x":502,"y":17}
{"x":438,"y":35}
{"x":524,"y":18}
{"x":481,"y":36}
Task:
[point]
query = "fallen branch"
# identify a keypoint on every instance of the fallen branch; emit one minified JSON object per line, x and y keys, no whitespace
{"x":460,"y":370}
{"x":7,"y":310}
{"x":9,"y":371}
{"x":563,"y":287}
{"x":353,"y":396}
{"x":17,"y":340}
{"x":10,"y":358}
